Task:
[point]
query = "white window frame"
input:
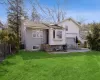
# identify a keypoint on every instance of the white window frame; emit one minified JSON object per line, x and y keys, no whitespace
{"x":38,"y":33}
{"x":56,"y":38}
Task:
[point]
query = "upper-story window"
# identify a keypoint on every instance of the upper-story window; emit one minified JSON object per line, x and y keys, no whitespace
{"x":66,"y":27}
{"x":37,"y":34}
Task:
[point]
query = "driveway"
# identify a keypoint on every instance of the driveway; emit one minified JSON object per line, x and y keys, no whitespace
{"x":79,"y":50}
{"x":72,"y":50}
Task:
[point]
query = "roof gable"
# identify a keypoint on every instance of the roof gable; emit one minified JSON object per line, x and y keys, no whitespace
{"x":70,"y":19}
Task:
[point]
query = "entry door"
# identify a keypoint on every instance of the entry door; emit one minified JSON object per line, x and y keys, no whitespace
{"x":47,"y":31}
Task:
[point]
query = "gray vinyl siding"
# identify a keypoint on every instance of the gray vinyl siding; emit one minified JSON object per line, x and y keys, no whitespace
{"x":30,"y":41}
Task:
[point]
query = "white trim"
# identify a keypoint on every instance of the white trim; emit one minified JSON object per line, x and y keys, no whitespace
{"x":57,"y":39}
{"x":72,"y":33}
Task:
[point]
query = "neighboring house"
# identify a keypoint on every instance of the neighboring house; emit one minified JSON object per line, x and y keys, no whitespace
{"x":34,"y":35}
{"x":72,"y":31}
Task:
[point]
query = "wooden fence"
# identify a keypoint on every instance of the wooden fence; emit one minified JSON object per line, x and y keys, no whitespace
{"x":5,"y":50}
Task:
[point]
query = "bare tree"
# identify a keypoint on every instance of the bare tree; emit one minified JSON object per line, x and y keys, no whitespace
{"x":56,"y":14}
{"x":15,"y":12}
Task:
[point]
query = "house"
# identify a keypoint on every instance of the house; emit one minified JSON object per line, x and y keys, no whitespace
{"x":37,"y":36}
{"x":72,"y":31}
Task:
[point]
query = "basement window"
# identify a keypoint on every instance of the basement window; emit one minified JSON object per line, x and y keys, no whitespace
{"x":36,"y":47}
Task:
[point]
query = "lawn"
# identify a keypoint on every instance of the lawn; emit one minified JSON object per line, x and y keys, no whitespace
{"x":44,"y":66}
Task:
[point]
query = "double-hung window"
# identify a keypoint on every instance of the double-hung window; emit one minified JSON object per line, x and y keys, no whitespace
{"x":57,"y":34}
{"x":37,"y":34}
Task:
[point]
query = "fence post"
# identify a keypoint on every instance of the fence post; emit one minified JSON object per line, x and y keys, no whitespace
{"x":4,"y":50}
{"x":10,"y":48}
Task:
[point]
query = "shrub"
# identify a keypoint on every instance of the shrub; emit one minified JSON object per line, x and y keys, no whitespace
{"x":11,"y":38}
{"x":94,"y":37}
{"x":85,"y":44}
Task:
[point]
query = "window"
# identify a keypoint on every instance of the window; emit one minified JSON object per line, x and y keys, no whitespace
{"x":36,"y":47}
{"x":66,"y":27}
{"x":57,"y":34}
{"x":41,"y":34}
{"x":34,"y":33}
{"x":37,"y":34}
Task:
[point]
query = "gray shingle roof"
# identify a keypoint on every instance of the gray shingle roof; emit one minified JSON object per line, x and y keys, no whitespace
{"x":30,"y":24}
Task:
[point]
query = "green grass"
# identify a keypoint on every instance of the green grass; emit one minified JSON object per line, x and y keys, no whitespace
{"x":44,"y":66}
